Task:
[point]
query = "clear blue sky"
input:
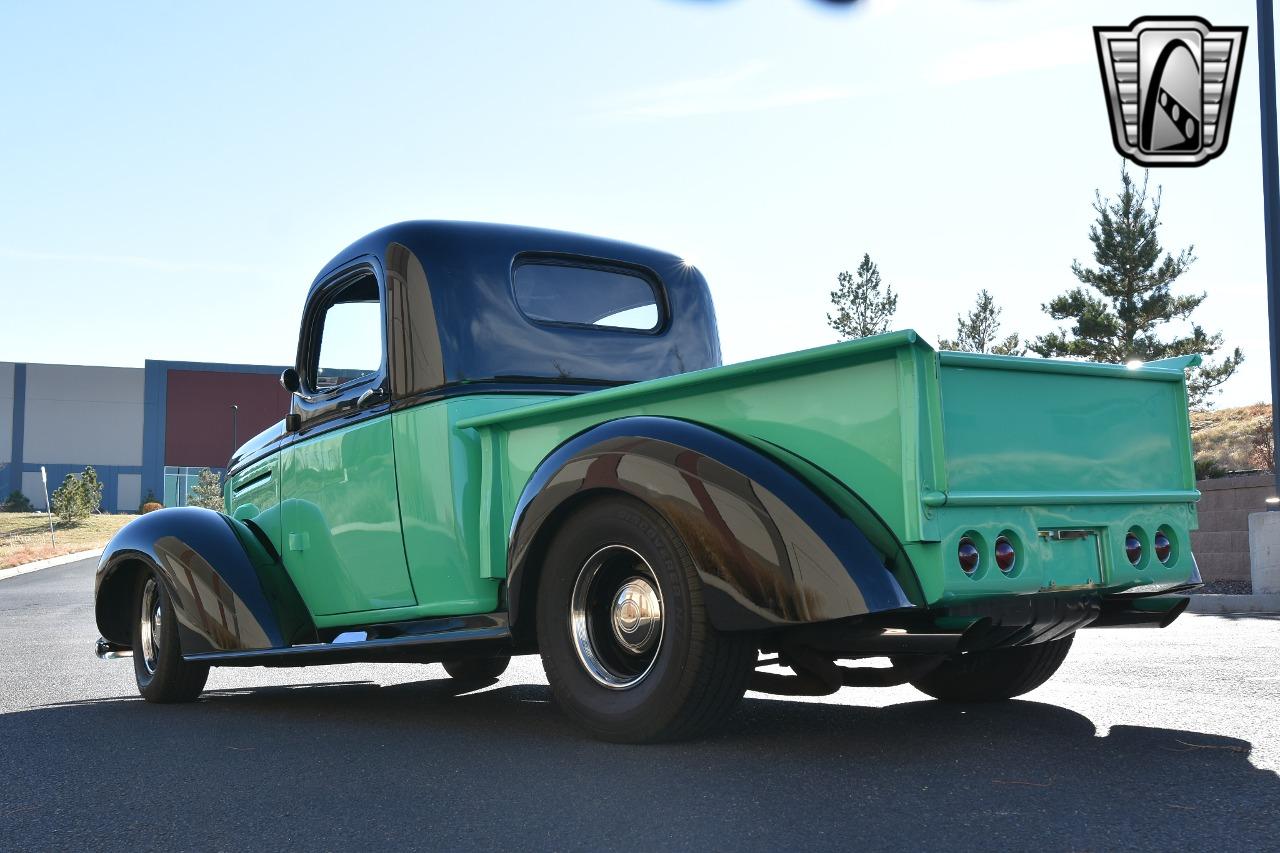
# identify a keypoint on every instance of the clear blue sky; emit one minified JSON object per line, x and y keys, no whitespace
{"x":174,"y":175}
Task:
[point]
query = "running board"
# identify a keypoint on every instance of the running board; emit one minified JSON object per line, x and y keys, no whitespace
{"x":423,"y":641}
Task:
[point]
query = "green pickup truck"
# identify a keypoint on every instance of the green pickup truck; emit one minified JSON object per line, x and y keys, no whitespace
{"x":510,"y":441}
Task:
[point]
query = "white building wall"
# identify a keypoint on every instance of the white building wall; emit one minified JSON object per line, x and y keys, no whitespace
{"x":83,"y":415}
{"x":6,"y":412}
{"x":128,"y":492}
{"x":34,"y":489}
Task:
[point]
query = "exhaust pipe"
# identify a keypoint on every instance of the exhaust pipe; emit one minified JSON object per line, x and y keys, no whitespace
{"x":107,"y":650}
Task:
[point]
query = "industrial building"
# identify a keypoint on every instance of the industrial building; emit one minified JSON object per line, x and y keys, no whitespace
{"x":145,"y":430}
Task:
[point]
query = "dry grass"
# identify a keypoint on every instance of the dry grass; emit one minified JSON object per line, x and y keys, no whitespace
{"x":1228,"y":440}
{"x":24,"y":536}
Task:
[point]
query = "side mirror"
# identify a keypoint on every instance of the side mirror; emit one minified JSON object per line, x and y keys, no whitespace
{"x":290,"y":380}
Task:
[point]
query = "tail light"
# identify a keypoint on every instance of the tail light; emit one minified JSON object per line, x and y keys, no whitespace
{"x":1163,"y":547}
{"x":968,"y":556}
{"x":1006,"y":556}
{"x":1133,"y":548}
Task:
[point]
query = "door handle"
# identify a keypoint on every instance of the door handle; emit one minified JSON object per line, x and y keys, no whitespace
{"x":371,"y":397}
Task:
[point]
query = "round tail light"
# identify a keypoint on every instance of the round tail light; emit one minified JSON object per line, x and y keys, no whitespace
{"x":1163,"y":547}
{"x":1005,"y":555}
{"x":1133,"y":548}
{"x":968,"y":556}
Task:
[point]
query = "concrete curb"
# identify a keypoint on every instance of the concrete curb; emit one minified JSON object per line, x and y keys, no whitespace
{"x":48,"y":564}
{"x":1235,"y":603}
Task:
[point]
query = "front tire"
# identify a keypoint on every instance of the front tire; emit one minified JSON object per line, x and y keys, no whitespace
{"x":625,"y":638}
{"x":161,"y":673}
{"x":995,"y":675}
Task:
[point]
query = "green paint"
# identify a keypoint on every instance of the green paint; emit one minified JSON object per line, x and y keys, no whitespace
{"x":341,"y":520}
{"x":442,"y":498}
{"x":938,"y":445}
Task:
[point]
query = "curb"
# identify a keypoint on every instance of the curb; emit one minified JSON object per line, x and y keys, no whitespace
{"x":14,"y":571}
{"x":1258,"y":603}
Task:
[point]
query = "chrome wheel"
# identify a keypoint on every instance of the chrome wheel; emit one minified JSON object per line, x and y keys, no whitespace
{"x":149,"y":616}
{"x":615,"y":617}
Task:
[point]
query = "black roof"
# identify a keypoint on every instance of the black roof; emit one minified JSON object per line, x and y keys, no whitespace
{"x":484,"y":336}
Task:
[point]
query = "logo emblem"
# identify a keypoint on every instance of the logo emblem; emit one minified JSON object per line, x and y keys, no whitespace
{"x":1170,"y":85}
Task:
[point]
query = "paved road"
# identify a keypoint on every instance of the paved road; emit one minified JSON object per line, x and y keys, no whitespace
{"x":1145,"y":740}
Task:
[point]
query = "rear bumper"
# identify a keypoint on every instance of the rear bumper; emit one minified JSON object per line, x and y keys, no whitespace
{"x":981,"y":624}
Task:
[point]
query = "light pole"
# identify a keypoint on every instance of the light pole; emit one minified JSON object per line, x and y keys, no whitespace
{"x":1270,"y":212}
{"x":235,"y":414}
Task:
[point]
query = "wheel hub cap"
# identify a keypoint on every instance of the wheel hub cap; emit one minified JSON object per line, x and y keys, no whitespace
{"x":615,"y":617}
{"x":637,"y":615}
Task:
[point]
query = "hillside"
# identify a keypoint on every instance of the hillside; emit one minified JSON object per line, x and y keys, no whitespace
{"x":1232,"y":440}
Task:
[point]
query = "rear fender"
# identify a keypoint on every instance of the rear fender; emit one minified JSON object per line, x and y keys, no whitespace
{"x":770,"y":550}
{"x":229,"y":590}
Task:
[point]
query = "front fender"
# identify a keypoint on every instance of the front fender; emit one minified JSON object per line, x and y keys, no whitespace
{"x":229,"y":590}
{"x":769,"y":549}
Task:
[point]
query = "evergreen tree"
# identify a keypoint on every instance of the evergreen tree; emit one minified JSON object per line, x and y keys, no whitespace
{"x":979,"y":331}
{"x":1126,"y":298}
{"x":91,"y":489}
{"x":68,"y":501}
{"x":861,"y":309}
{"x":207,"y":492}
{"x":17,"y":502}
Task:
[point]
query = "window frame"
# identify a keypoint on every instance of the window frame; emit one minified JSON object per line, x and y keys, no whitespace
{"x":555,"y":259}
{"x":312,"y":340}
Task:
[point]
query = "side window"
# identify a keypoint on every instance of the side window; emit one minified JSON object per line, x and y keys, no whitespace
{"x":587,"y":296}
{"x":348,"y":336}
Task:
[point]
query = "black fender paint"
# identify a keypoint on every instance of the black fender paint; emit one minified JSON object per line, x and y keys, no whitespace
{"x":229,"y":590}
{"x":769,"y":549}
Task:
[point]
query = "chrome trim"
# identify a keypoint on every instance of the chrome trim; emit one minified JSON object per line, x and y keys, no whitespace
{"x":151,"y":622}
{"x":106,"y":650}
{"x":620,"y":654}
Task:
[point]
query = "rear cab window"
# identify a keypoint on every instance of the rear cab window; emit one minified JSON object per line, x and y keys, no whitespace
{"x":588,"y":295}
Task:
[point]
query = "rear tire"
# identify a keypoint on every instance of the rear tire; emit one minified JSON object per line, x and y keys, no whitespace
{"x":995,"y":675}
{"x":161,"y":673}
{"x":477,"y":669}
{"x":626,"y":642}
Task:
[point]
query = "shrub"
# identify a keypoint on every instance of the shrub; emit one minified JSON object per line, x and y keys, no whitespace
{"x":77,"y":497}
{"x":207,"y":492}
{"x":17,"y":502}
{"x":69,"y":502}
{"x":91,"y":489}
{"x":149,"y":503}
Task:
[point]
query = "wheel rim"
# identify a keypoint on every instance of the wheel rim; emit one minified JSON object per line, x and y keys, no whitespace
{"x":616,"y":617}
{"x":149,"y":616}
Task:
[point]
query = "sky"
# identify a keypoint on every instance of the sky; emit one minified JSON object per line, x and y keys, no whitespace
{"x":173,"y":176}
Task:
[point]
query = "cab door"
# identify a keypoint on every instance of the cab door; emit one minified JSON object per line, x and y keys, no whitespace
{"x":340,"y":515}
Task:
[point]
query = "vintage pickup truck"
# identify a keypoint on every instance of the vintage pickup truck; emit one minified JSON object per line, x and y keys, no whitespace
{"x":508,"y":440}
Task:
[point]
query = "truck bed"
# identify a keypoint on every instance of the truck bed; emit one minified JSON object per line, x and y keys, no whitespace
{"x":936,"y":445}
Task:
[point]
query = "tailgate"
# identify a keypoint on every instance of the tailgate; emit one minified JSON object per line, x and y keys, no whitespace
{"x":1064,"y":431}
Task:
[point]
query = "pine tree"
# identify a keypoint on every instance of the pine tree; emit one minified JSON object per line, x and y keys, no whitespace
{"x":861,"y":309}
{"x":17,"y":502}
{"x":978,"y":332}
{"x":1117,"y":316}
{"x":68,"y":501}
{"x":91,"y":489}
{"x":207,"y":492}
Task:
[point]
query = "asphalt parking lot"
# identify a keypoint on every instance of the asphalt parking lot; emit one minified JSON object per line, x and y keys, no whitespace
{"x":1146,"y":739}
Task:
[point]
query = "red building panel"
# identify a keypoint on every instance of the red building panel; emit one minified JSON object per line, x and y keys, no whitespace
{"x":198,"y":416}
